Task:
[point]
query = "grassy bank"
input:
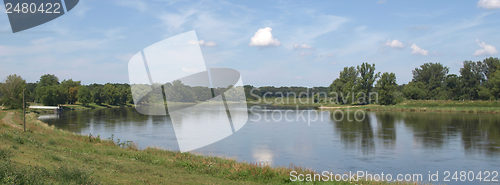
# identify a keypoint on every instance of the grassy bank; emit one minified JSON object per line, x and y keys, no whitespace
{"x":429,"y":106}
{"x":408,"y":105}
{"x":46,"y":155}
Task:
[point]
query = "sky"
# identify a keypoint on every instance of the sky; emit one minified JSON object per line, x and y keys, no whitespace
{"x":278,"y":43}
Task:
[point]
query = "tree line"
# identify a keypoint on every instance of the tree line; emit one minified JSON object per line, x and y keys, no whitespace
{"x":50,"y":91}
{"x":479,"y":80}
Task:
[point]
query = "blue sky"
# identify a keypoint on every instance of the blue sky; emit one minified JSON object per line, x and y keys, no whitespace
{"x":278,"y":43}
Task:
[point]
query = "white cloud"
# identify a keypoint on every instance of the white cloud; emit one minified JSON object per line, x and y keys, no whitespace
{"x":417,"y":50}
{"x":301,"y":46}
{"x":264,"y":37}
{"x":486,"y":49}
{"x":489,"y":4}
{"x":207,"y":43}
{"x":204,"y":43}
{"x":395,"y":44}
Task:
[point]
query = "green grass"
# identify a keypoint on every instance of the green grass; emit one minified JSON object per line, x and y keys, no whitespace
{"x":435,"y":106}
{"x":479,"y":106}
{"x":47,"y":155}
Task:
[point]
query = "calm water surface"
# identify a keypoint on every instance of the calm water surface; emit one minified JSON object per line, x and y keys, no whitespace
{"x":389,"y":142}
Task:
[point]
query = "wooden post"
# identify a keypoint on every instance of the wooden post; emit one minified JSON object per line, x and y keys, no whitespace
{"x":24,"y":113}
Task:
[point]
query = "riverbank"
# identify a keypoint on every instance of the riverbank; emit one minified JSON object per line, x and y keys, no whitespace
{"x":427,"y":106}
{"x":405,"y":106}
{"x":47,"y":155}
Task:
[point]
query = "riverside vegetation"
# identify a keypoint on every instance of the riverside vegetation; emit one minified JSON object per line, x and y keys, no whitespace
{"x":478,"y":80}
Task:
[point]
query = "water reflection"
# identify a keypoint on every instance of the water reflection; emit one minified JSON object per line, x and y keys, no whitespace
{"x":386,"y":129}
{"x":77,"y":121}
{"x":354,"y":132}
{"x":479,"y":133}
{"x":263,"y":156}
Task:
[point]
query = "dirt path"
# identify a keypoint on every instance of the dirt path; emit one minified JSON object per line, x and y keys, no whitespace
{"x":7,"y":119}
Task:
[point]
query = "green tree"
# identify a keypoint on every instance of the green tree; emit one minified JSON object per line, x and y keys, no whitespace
{"x":11,"y":91}
{"x":366,"y":79}
{"x":491,"y":65}
{"x":48,"y":91}
{"x":71,"y":90}
{"x":178,"y":92}
{"x":48,"y":80}
{"x":495,"y":81}
{"x":30,"y":92}
{"x":111,"y":94}
{"x":386,"y":88}
{"x":84,"y":95}
{"x":472,"y":76}
{"x":124,"y":93}
{"x":487,"y":89}
{"x":415,"y":91}
{"x":431,"y":77}
{"x":51,"y":95}
{"x":451,"y":87}
{"x":98,"y":94}
{"x":344,"y":86}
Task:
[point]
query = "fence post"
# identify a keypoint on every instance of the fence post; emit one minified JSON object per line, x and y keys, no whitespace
{"x":24,"y":113}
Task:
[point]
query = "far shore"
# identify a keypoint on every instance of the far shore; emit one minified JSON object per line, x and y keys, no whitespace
{"x":405,"y":106}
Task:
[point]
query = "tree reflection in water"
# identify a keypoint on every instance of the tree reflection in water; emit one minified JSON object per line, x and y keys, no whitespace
{"x":478,"y":133}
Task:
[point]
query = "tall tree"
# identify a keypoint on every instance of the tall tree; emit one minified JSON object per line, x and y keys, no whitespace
{"x":495,"y":81}
{"x":491,"y":65}
{"x":51,"y":95}
{"x":432,"y":76}
{"x":71,"y":90}
{"x":366,"y":79}
{"x":111,"y":94}
{"x":415,"y":90}
{"x":386,"y":88}
{"x":48,"y":92}
{"x":344,"y":86}
{"x":48,"y":80}
{"x":84,"y":96}
{"x":451,"y":87}
{"x":472,"y":76}
{"x":97,"y":93}
{"x":11,"y":91}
